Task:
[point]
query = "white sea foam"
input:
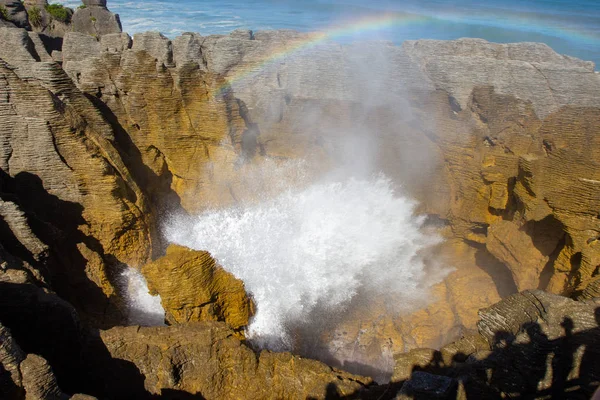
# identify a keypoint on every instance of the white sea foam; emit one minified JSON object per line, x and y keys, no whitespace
{"x":314,"y":248}
{"x":143,"y":308}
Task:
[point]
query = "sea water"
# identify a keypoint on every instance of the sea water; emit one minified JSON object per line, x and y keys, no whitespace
{"x":310,"y":250}
{"x":570,"y":27}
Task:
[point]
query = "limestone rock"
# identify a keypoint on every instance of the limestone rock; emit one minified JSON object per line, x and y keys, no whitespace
{"x":19,"y":48}
{"x":11,"y":356}
{"x":62,"y":169}
{"x":192,"y":287}
{"x":94,"y":3}
{"x":16,"y":13}
{"x":95,"y":19}
{"x":532,"y":344}
{"x":38,"y":380}
{"x":156,"y":45}
{"x":42,"y":20}
{"x":161,"y":125}
{"x":206,"y":359}
{"x":516,"y":248}
{"x":78,"y":45}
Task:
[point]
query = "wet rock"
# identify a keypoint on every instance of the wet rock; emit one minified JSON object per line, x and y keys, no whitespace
{"x":193,"y":287}
{"x":206,"y":359}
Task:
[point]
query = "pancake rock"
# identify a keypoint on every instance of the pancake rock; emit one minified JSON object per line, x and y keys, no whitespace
{"x":128,"y":130}
{"x":14,"y":13}
{"x":531,"y":344}
{"x":206,"y":359}
{"x":95,"y":19}
{"x":463,"y":144}
{"x":71,"y":203}
{"x":192,"y":287}
{"x":200,"y":110}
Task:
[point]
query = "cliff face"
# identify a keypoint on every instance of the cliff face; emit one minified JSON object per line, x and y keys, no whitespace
{"x":69,"y":202}
{"x":486,"y":151}
{"x":500,"y":143}
{"x":497,"y":154}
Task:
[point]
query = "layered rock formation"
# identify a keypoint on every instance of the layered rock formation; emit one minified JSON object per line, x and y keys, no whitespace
{"x":94,"y":152}
{"x":56,"y":145}
{"x":460,"y":144}
{"x":480,"y":137}
{"x":192,"y":287}
{"x":95,"y":19}
{"x":206,"y":359}
{"x":54,"y":20}
{"x":530,"y":345}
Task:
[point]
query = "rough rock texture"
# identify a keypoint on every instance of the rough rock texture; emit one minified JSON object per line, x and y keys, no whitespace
{"x":42,"y":21}
{"x":198,"y":109}
{"x":95,"y":19}
{"x":38,"y":380}
{"x":496,"y":141}
{"x":16,"y":13}
{"x":71,"y":192}
{"x":26,"y":376}
{"x":506,"y":158}
{"x":11,"y":356}
{"x":186,"y":143}
{"x":192,"y":287}
{"x":530,"y":345}
{"x":206,"y":359}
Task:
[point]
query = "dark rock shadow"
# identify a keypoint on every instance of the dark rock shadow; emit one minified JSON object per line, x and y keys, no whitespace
{"x":500,"y":274}
{"x":9,"y":390}
{"x":172,"y":394}
{"x":536,"y":368}
{"x":44,"y":324}
{"x":56,"y":223}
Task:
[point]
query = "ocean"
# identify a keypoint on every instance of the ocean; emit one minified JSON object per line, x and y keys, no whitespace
{"x":570,"y":27}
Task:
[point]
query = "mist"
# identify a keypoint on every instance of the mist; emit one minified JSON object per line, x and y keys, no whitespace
{"x":326,"y":231}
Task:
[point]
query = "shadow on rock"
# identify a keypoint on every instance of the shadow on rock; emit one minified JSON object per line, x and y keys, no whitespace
{"x":56,"y":223}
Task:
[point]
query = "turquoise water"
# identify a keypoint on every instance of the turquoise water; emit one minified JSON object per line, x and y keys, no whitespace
{"x":569,"y":27}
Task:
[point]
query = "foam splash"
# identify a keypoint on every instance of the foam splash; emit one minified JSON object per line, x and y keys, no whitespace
{"x":314,"y":248}
{"x":143,"y":308}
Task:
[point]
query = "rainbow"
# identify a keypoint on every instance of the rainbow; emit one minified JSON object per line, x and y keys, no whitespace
{"x":374,"y":23}
{"x":368,"y":24}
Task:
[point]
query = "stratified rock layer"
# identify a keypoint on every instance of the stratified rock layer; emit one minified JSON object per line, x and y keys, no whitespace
{"x":192,"y":287}
{"x":75,"y":209}
{"x":206,"y":359}
{"x":487,"y":151}
{"x":132,"y":129}
{"x":95,"y":19}
{"x":530,"y":345}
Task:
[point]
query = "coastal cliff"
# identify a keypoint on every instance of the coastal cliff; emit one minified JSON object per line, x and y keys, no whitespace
{"x":106,"y":135}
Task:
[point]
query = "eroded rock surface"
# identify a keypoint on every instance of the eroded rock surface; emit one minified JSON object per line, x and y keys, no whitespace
{"x":206,"y":359}
{"x":496,"y":141}
{"x":69,"y":194}
{"x":532,"y":344}
{"x":132,"y":129}
{"x":95,"y":19}
{"x":193,"y":287}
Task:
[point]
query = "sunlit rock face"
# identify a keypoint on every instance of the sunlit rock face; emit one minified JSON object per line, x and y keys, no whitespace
{"x":193,"y":287}
{"x":378,"y":193}
{"x":207,"y":120}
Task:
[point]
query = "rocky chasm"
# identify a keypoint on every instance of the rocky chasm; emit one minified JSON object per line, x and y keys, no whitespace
{"x":426,"y":215}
